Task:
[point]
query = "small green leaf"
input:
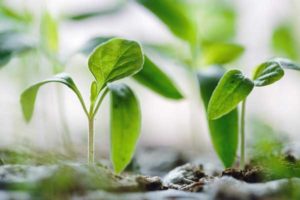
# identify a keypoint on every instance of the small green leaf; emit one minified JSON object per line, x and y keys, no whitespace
{"x":94,"y":91}
{"x":224,"y":130}
{"x":267,"y":73}
{"x":13,"y":43}
{"x":49,"y":33}
{"x":155,"y":79}
{"x":125,"y":125}
{"x":93,"y":43}
{"x":284,"y":41}
{"x":176,"y":16}
{"x":115,"y":59}
{"x":29,"y":95}
{"x":221,"y":53}
{"x":233,"y":88}
{"x":287,"y":64}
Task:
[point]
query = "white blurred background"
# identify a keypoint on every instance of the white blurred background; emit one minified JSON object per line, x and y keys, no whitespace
{"x":180,"y":124}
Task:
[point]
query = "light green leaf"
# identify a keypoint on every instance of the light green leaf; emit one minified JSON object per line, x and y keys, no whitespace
{"x":13,"y":43}
{"x":221,"y":53}
{"x":267,"y":73}
{"x":94,"y":91}
{"x":115,"y":59}
{"x":155,"y":79}
{"x":49,"y":33}
{"x":28,"y":97}
{"x":125,"y":125}
{"x":284,"y":41}
{"x":175,"y":15}
{"x":233,"y":88}
{"x":224,"y":130}
{"x":217,"y":20}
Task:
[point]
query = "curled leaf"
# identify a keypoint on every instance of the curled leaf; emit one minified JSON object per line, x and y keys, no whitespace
{"x":28,"y":97}
{"x":267,"y":73}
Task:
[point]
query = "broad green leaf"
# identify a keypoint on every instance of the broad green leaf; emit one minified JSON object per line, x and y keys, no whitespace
{"x":233,"y":88}
{"x":223,"y":131}
{"x":115,"y":59}
{"x":155,"y":79}
{"x":125,"y":125}
{"x":150,"y":76}
{"x":28,"y":97}
{"x":267,"y":73}
{"x":284,"y":41}
{"x":221,"y":53}
{"x":13,"y":43}
{"x":49,"y":33}
{"x":176,"y":16}
{"x":93,"y":43}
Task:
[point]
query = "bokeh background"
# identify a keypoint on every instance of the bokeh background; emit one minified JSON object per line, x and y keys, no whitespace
{"x":179,"y":124}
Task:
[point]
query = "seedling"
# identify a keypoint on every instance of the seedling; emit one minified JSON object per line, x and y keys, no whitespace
{"x":206,"y":36}
{"x":113,"y":60}
{"x":234,"y":87}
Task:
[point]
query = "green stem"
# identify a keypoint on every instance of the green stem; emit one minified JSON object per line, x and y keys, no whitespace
{"x":99,"y":102}
{"x":91,"y":145}
{"x":91,"y":116}
{"x":243,"y":113}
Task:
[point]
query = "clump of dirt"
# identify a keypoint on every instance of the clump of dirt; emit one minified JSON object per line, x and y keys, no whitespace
{"x":188,"y":177}
{"x":250,"y":174}
{"x":147,"y":183}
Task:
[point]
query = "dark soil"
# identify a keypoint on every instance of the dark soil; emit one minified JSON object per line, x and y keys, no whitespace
{"x":249,"y":174}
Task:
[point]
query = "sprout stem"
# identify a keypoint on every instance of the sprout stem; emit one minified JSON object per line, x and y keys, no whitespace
{"x":91,"y":145}
{"x":91,"y":117}
{"x":243,"y":113}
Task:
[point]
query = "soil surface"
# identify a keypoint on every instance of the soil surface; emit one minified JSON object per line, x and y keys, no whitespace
{"x":194,"y":180}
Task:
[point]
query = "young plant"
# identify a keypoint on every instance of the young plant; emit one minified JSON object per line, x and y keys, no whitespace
{"x":109,"y":62}
{"x":234,"y":87}
{"x":205,"y":41}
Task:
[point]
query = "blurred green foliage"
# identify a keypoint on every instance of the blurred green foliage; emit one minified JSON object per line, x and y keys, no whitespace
{"x":285,"y":41}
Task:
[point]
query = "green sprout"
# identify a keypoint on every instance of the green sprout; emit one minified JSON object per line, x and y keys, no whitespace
{"x":234,"y":87}
{"x":205,"y":31}
{"x":111,"y":61}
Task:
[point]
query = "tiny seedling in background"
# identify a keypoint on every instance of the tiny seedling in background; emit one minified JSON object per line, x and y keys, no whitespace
{"x":234,"y":87}
{"x":110,"y":61}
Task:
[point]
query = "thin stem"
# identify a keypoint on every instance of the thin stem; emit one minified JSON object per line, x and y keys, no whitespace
{"x":243,"y":113}
{"x":91,"y":145}
{"x":100,"y":101}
